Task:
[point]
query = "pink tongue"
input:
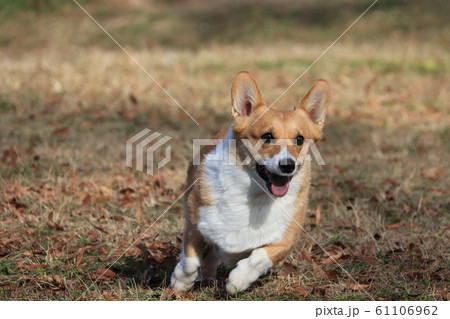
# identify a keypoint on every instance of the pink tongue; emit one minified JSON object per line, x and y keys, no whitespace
{"x":279,"y":191}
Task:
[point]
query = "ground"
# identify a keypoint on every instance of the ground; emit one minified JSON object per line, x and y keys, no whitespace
{"x":70,"y":97}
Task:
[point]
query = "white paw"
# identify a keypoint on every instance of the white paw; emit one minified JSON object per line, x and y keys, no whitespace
{"x":181,"y":284}
{"x":240,"y":279}
{"x":184,"y":274}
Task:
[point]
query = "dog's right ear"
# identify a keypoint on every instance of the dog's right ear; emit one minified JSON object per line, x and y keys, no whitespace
{"x":245,"y":95}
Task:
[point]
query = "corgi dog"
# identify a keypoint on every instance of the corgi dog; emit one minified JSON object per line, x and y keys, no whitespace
{"x":249,"y":214}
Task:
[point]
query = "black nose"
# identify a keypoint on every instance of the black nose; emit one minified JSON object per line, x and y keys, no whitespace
{"x":287,"y":166}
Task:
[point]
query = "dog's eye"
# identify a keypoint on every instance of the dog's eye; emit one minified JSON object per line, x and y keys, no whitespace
{"x":299,"y":140}
{"x":267,"y":137}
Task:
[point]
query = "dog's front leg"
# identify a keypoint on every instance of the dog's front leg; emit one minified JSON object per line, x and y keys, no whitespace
{"x":185,"y":273}
{"x":261,"y":260}
{"x":187,"y":269}
{"x":248,"y":270}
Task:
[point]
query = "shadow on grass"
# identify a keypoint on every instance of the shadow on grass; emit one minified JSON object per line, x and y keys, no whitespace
{"x":156,"y":275}
{"x":147,"y":271}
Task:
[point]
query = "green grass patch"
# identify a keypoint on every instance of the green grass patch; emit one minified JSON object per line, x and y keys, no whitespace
{"x":7,"y":267}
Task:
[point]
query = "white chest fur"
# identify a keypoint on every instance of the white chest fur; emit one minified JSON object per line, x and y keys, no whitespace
{"x":244,"y":216}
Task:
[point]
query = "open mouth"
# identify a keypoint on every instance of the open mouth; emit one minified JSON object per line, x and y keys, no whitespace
{"x":276,"y":184}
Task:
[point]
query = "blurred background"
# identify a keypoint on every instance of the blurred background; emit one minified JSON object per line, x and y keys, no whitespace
{"x":70,"y":97}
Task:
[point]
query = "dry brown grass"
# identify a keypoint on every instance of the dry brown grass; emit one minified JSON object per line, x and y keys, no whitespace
{"x":70,"y":207}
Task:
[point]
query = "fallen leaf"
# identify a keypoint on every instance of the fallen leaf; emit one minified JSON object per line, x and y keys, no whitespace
{"x":47,"y":193}
{"x":54,"y":226}
{"x":298,"y":291}
{"x":87,"y":124}
{"x":368,"y":258}
{"x":104,"y":273}
{"x":10,"y":157}
{"x":73,"y":177}
{"x":389,"y":196}
{"x":54,"y":283}
{"x":318,"y":215}
{"x":16,"y":190}
{"x":373,"y":201}
{"x":127,"y":191}
{"x":60,"y":132}
{"x":407,"y":208}
{"x":57,"y":279}
{"x":52,"y":99}
{"x":35,"y":266}
{"x":143,"y":249}
{"x":44,"y":278}
{"x":411,"y":225}
{"x":435,"y":191}
{"x":86,"y":200}
{"x":18,"y":206}
{"x":127,"y":199}
{"x":105,"y":190}
{"x":108,"y":296}
{"x":391,"y":181}
{"x":333,"y":258}
{"x":27,"y":253}
{"x":100,"y":228}
{"x":318,"y":291}
{"x":138,"y":214}
{"x":382,"y":299}
{"x":290,"y":268}
{"x":320,"y":273}
{"x":394,"y":225}
{"x":189,"y":295}
{"x":117,"y":218}
{"x":332,"y":274}
{"x":358,"y":287}
{"x":412,"y":274}
{"x":306,"y":255}
{"x":102,"y":251}
{"x":432,"y":174}
{"x":434,"y":264}
{"x":79,"y":256}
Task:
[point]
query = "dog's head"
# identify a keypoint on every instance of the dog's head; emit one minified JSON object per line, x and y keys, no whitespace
{"x":278,"y":137}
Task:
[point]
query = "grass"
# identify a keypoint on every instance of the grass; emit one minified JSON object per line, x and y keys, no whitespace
{"x":70,"y":98}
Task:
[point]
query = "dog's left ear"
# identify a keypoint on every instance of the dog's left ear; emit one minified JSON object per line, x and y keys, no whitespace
{"x":315,"y":103}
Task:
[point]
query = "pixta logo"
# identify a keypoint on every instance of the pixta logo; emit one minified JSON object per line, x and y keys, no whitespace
{"x":143,"y":145}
